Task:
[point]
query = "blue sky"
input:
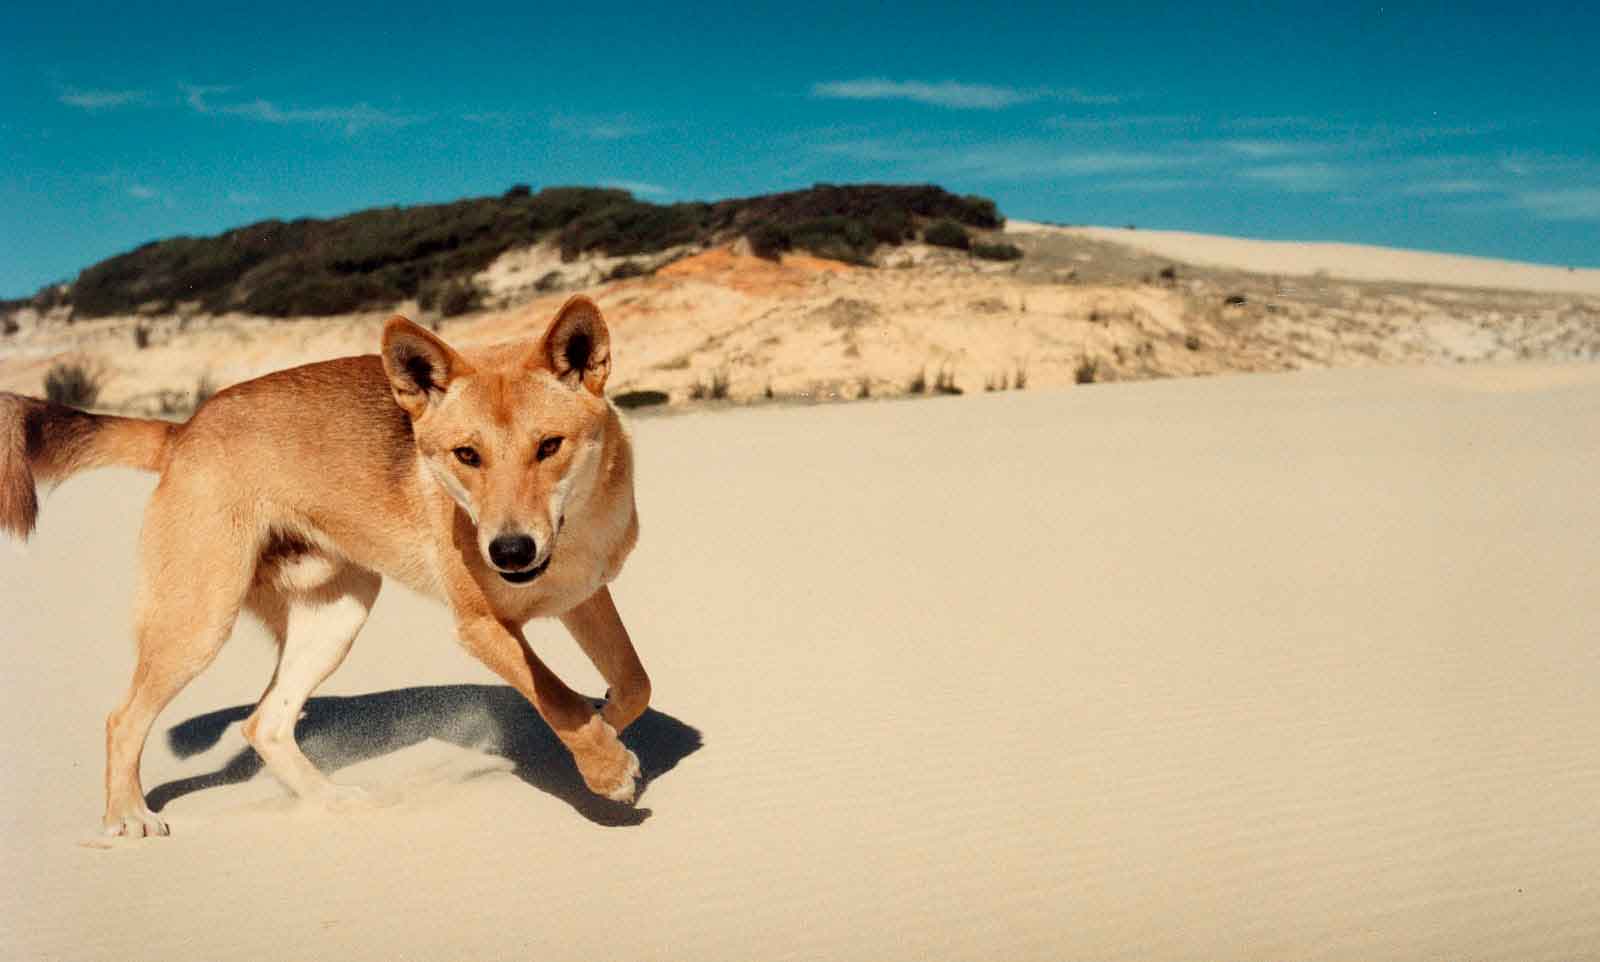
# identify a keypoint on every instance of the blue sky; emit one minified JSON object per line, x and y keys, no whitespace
{"x":1461,"y":127}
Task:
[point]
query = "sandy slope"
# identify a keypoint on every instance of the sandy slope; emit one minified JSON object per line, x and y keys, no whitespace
{"x":1282,"y":667}
{"x":1352,"y":261}
{"x":808,"y":329}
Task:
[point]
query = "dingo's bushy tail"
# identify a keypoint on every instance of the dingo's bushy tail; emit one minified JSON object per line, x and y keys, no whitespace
{"x":41,"y":441}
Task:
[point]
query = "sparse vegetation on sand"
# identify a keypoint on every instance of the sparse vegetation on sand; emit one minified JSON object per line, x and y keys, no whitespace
{"x":450,"y":298}
{"x":75,"y":383}
{"x":1015,"y":379}
{"x":715,"y":388}
{"x":997,"y":252}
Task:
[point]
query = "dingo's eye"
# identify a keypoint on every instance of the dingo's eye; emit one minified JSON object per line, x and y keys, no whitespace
{"x":467,"y":456}
{"x":548,"y":447}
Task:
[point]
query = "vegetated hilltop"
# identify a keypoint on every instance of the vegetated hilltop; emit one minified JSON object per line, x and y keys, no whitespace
{"x":375,"y":258}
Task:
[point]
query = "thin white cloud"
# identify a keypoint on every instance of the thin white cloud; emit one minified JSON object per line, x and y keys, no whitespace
{"x":1562,"y":204}
{"x":957,"y":96}
{"x":1535,"y":164}
{"x":870,"y":150}
{"x":1020,"y":159}
{"x":101,"y":99}
{"x":195,"y":96}
{"x":1279,"y":122}
{"x":598,"y":128}
{"x":1269,"y":149}
{"x":1026,"y":160}
{"x":951,"y":94}
{"x":125,"y":185}
{"x":1154,"y":185}
{"x":1074,"y":124}
{"x":1455,"y":187}
{"x":1076,"y":96}
{"x":353,"y":118}
{"x":240,"y":198}
{"x":1309,"y":177}
{"x":492,"y":118}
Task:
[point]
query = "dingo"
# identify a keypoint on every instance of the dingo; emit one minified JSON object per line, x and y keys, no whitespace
{"x":499,"y":480}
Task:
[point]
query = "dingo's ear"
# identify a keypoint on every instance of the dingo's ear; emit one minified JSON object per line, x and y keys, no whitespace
{"x":418,"y":364}
{"x":577,"y":347}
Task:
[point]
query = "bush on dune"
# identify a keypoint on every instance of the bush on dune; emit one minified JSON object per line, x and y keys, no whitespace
{"x":947,"y":233}
{"x":375,"y":258}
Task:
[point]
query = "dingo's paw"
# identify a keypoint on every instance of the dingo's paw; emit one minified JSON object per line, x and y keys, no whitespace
{"x":607,"y":766}
{"x":136,"y":822}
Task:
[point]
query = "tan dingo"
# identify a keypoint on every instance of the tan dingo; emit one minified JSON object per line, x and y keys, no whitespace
{"x":499,"y":480}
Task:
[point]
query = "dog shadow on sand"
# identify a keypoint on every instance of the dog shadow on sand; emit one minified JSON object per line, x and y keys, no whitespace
{"x":336,"y":731}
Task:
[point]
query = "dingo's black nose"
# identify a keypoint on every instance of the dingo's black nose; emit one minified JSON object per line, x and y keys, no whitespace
{"x":512,"y":551}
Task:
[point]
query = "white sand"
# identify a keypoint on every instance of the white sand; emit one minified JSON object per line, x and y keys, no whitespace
{"x":1351,"y":261}
{"x":1281,"y":667}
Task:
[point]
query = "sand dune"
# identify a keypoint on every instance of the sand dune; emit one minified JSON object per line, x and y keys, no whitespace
{"x":1080,"y":304}
{"x":1351,"y":261}
{"x":1280,"y":667}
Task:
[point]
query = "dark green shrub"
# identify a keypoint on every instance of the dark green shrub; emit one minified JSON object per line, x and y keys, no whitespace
{"x":632,"y":227}
{"x":836,"y":238}
{"x":715,"y":389}
{"x":285,"y":294}
{"x":628,"y":269}
{"x":979,"y":212}
{"x":640,"y":399}
{"x":518,"y":190}
{"x":946,"y":233}
{"x":769,"y":240}
{"x":74,"y":383}
{"x":997,"y":252}
{"x":459,"y":297}
{"x":891,"y":226}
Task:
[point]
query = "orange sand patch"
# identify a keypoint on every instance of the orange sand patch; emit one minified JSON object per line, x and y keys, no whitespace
{"x":753,"y":275}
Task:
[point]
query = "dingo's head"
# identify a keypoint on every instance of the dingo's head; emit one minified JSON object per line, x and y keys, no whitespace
{"x":513,"y":432}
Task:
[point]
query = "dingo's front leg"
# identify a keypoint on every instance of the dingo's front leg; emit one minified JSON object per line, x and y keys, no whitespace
{"x":607,"y":767}
{"x":598,"y":629}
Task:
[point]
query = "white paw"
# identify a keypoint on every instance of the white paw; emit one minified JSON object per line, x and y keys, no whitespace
{"x":140,"y":823}
{"x":628,"y":787}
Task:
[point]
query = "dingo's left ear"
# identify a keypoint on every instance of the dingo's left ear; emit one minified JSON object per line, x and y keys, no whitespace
{"x":419,"y":365}
{"x":577,"y":347}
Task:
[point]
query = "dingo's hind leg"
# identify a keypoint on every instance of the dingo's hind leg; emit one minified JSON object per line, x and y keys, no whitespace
{"x":315,"y":628}
{"x":194,"y":574}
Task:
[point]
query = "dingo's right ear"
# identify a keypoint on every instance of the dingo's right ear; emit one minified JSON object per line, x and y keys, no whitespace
{"x":418,"y":364}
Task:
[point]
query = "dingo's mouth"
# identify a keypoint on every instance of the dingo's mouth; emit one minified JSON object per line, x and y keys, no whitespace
{"x":523,"y":577}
